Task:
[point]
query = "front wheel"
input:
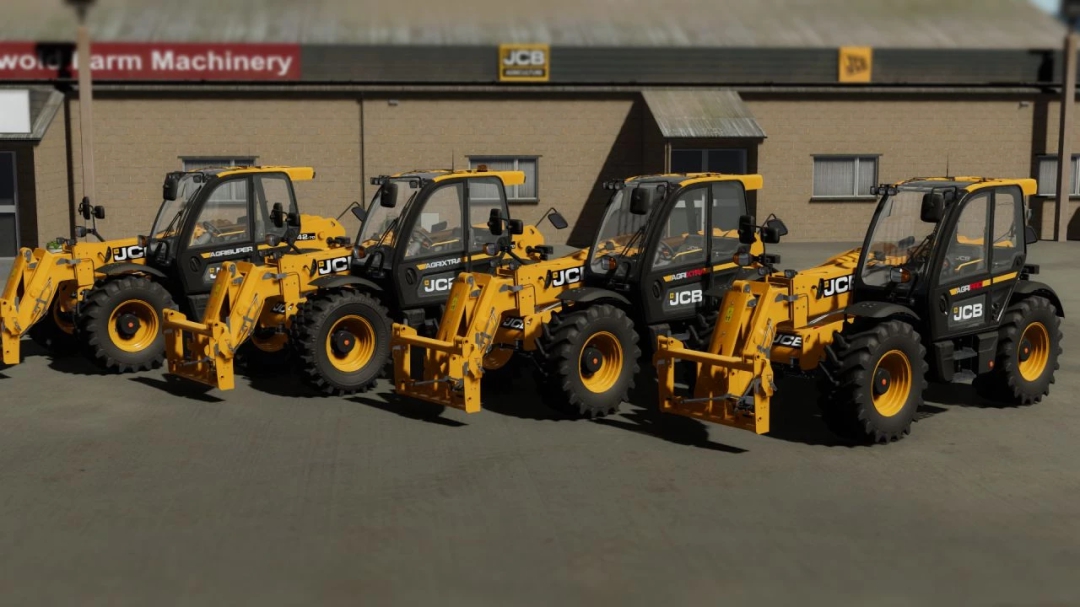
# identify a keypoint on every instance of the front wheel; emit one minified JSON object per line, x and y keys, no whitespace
{"x":591,"y":360}
{"x":120,"y":324}
{"x":342,"y":340}
{"x":880,"y":375}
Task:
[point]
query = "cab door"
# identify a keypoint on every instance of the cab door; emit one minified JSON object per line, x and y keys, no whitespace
{"x":728,"y":205}
{"x":220,"y":232}
{"x":676,"y":259}
{"x":483,"y":194}
{"x":981,"y":255}
{"x":434,"y":252}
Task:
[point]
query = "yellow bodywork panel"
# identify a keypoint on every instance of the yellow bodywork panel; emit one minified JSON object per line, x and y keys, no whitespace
{"x":778,"y":319}
{"x":484,"y":313}
{"x":294,"y":173}
{"x":507,"y":177}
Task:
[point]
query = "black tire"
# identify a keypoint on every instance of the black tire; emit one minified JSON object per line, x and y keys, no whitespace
{"x":354,"y":370}
{"x":1013,"y":380}
{"x":563,"y":374}
{"x":48,"y":334}
{"x":95,"y":323}
{"x":858,"y":359}
{"x":256,"y":361}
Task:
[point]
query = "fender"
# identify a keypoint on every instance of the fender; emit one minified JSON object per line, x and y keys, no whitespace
{"x":124,"y":267}
{"x":331,"y":282}
{"x":590,"y":294}
{"x":879,"y":309}
{"x":1028,"y":288}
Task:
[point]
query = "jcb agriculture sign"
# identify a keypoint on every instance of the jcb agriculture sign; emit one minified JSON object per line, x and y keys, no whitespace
{"x":524,"y":63}
{"x":856,"y":63}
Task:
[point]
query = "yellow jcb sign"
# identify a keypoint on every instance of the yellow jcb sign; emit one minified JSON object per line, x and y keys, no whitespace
{"x":856,"y":63}
{"x":524,"y":63}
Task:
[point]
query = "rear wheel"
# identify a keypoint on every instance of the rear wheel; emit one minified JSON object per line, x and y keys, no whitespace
{"x":880,"y":375}
{"x":342,"y":341}
{"x":120,"y":324}
{"x":1029,"y":344}
{"x":591,"y":359}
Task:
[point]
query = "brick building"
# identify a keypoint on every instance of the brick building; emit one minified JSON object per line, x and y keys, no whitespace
{"x":824,"y":99}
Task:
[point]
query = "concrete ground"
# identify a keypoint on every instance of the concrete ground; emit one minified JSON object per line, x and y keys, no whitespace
{"x":140,"y":491}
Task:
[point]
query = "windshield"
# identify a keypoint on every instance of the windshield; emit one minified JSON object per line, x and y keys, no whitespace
{"x":620,"y":228}
{"x":381,"y":221}
{"x":168,"y":223}
{"x":899,"y":238}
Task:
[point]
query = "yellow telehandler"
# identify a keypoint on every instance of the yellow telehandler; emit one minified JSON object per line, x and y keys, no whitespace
{"x":663,"y":243}
{"x":334,"y":308}
{"x":940,"y":286}
{"x":107,"y":297}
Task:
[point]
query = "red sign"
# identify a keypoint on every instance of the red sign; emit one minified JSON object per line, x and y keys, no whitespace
{"x":152,"y":61}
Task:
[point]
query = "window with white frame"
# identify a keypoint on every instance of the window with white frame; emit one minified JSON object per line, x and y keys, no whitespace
{"x":526,"y":192}
{"x":237,"y":192}
{"x":844,"y":176}
{"x":1047,"y":176}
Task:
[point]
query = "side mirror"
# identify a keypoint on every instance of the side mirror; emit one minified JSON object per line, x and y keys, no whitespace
{"x":360,"y":213}
{"x":1030,"y":236}
{"x":438,"y":227}
{"x":515,"y":226}
{"x":277,"y":215}
{"x":171,"y":186}
{"x":388,"y":195}
{"x":293,"y":220}
{"x":495,"y":222}
{"x":84,"y":208}
{"x":773,"y":230}
{"x":641,"y":200}
{"x":747,"y":229}
{"x":933,"y":207}
{"x":99,"y":212}
{"x":557,"y":220}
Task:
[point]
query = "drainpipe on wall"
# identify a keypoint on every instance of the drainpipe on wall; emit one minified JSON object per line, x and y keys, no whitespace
{"x":1068,"y":98}
{"x":86,"y":96}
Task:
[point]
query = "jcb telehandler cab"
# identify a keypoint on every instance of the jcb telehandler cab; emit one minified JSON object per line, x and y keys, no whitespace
{"x":420,"y":231}
{"x":664,"y":241}
{"x":108,"y":297}
{"x":941,"y":286}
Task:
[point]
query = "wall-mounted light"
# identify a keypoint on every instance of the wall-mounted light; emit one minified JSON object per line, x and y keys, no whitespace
{"x":392,"y":102}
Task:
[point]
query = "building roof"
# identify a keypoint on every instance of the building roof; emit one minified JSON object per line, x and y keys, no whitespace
{"x":1000,"y":24}
{"x":45,"y":102}
{"x":701,"y":113}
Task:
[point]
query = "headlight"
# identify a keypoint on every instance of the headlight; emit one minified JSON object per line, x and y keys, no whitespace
{"x":491,"y":248}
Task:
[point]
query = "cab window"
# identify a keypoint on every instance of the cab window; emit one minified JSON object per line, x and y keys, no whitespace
{"x":438,"y":229}
{"x":728,"y":204}
{"x":484,"y":194}
{"x":224,"y":216}
{"x":270,"y":189}
{"x":682,"y":240}
{"x":966,"y":255}
{"x":1008,"y":228}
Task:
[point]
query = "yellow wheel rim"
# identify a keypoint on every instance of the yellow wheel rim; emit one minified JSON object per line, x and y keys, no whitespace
{"x":62,"y":317}
{"x":1034,"y":351}
{"x":892,"y":383}
{"x":274,"y":343}
{"x":497,"y":358}
{"x":133,"y":325}
{"x":600,"y":362}
{"x":350,"y":343}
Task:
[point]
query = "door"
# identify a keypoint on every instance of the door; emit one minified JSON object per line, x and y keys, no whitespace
{"x":483,"y":195}
{"x":9,"y":218}
{"x":222,"y":231}
{"x":435,"y":250}
{"x":983,"y":251}
{"x":675,"y":272}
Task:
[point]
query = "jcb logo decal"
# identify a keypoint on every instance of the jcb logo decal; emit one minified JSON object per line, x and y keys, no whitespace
{"x":856,"y":63}
{"x":684,"y":298}
{"x":967,"y":312}
{"x":279,"y":308}
{"x":333,"y":266}
{"x":565,"y":277}
{"x":517,"y":324}
{"x":789,"y":341}
{"x":834,"y":286}
{"x":437,"y":285}
{"x":524,"y":62}
{"x":128,"y":253}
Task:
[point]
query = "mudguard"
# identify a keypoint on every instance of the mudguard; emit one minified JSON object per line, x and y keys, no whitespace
{"x":879,"y":309}
{"x":114,"y":269}
{"x":590,"y":295}
{"x":331,"y":282}
{"x":1028,"y":288}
